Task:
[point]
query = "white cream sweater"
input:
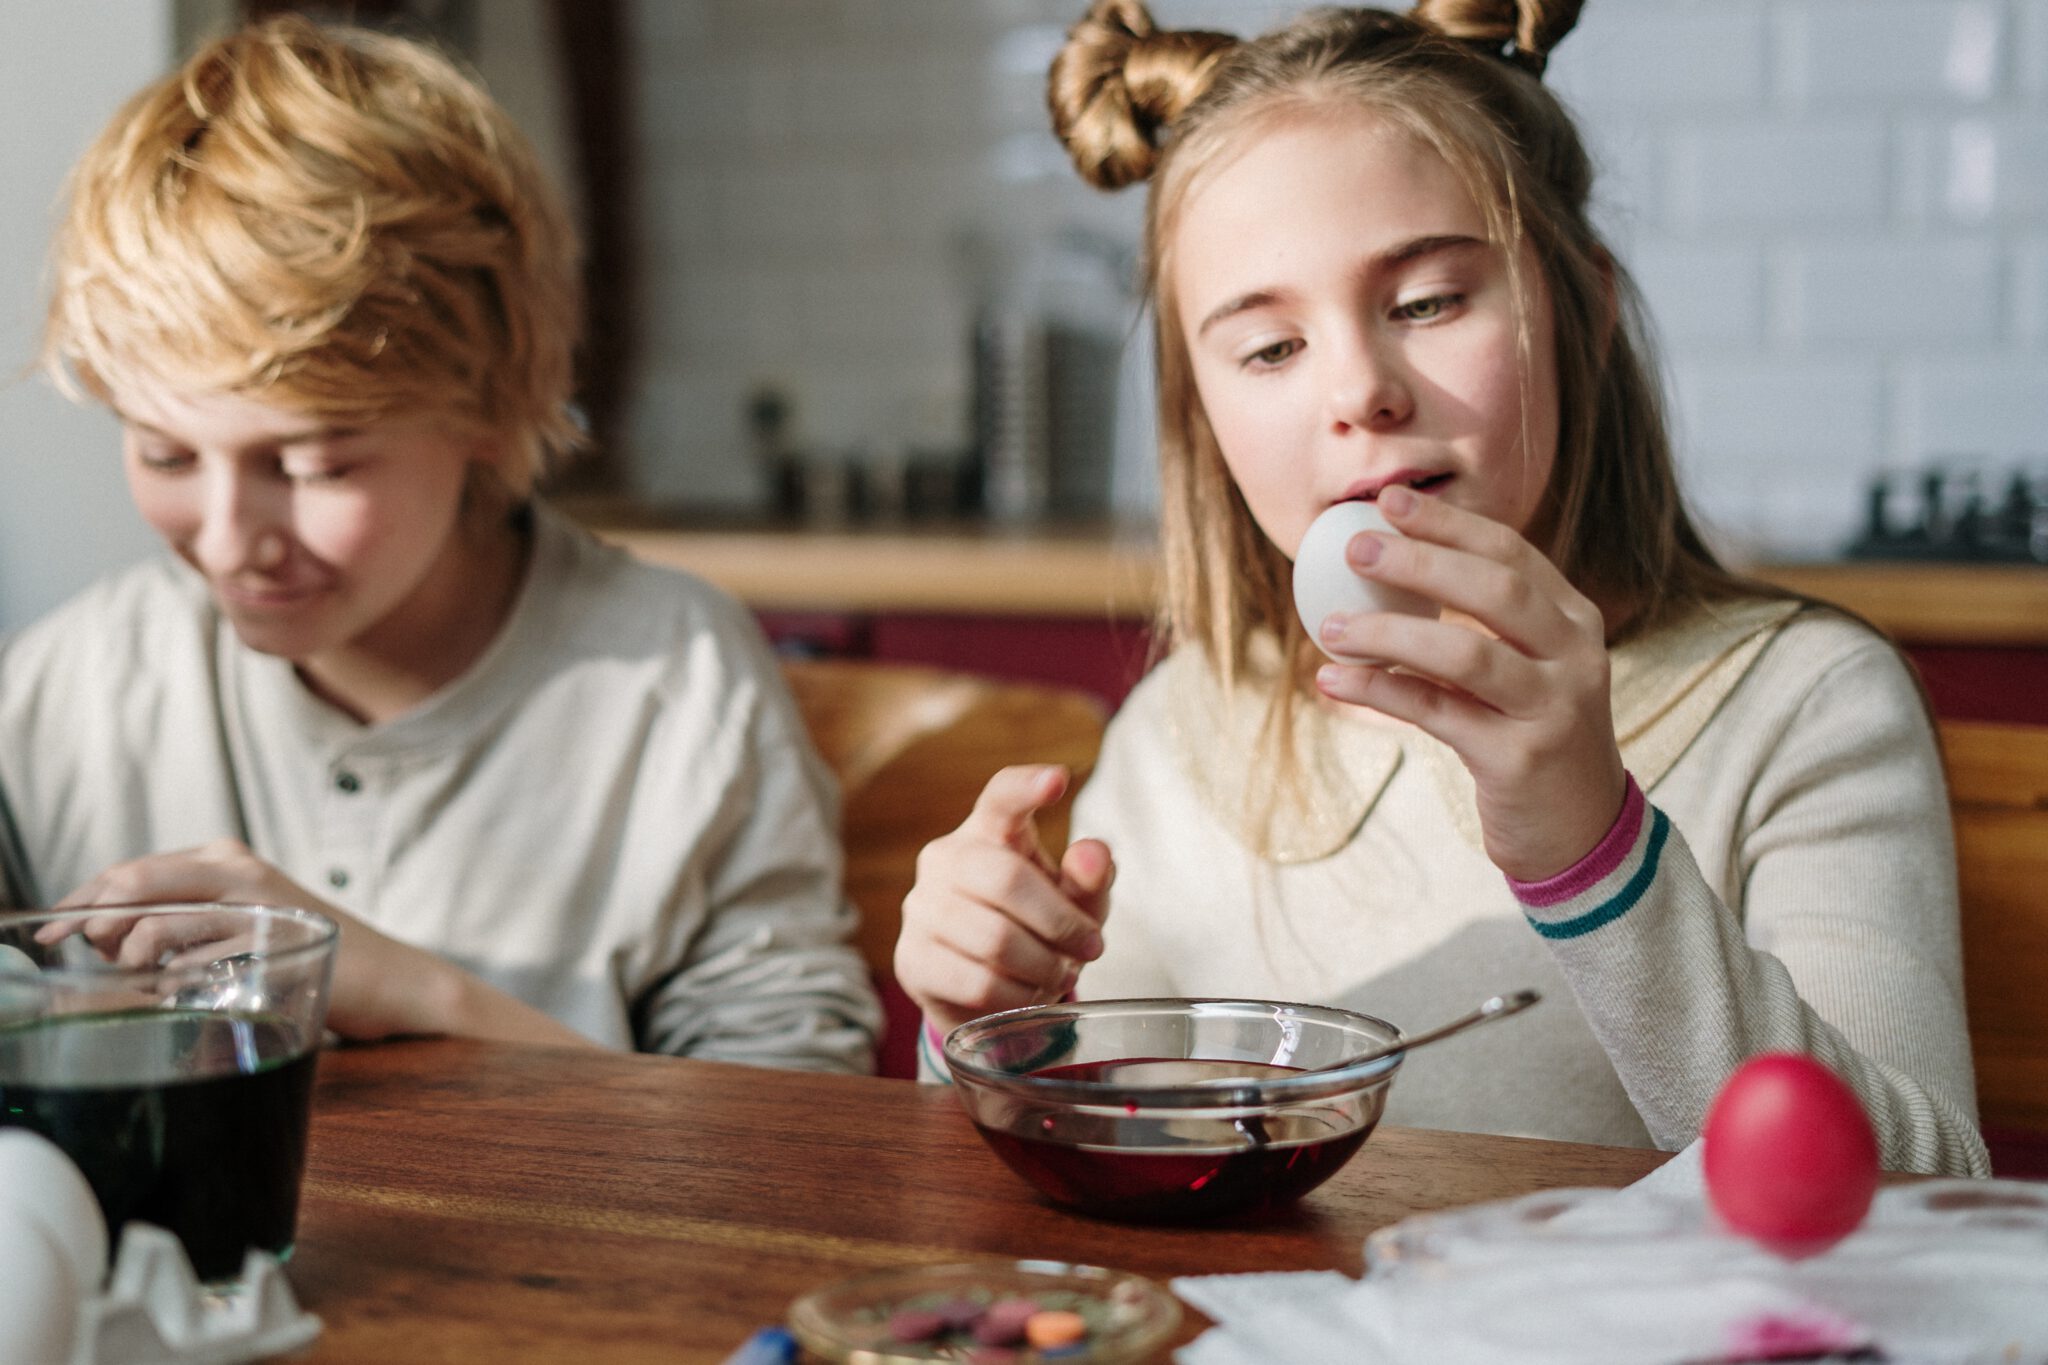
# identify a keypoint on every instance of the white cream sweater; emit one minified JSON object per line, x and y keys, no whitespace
{"x":1797,"y":892}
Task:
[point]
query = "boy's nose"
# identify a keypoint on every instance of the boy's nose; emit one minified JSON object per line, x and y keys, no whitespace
{"x":239,"y":530}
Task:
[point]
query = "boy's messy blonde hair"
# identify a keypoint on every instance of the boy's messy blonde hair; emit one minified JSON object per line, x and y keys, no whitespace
{"x":330,"y":219}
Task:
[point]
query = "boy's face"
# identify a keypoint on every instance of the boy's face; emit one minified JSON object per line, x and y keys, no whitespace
{"x":1349,"y":327}
{"x":314,"y":539}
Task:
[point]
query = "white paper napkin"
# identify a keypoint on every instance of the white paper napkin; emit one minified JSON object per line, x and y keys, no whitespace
{"x":1941,"y":1271}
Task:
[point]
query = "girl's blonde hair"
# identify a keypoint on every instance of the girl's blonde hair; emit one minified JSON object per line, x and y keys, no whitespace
{"x":336,"y":220}
{"x":1132,"y":102}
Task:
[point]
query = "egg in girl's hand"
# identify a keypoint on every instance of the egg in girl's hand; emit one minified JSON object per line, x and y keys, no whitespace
{"x":1791,"y":1159}
{"x":1324,"y":583}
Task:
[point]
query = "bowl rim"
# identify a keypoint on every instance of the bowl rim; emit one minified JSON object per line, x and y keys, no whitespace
{"x":1321,"y":1083}
{"x":324,"y":936}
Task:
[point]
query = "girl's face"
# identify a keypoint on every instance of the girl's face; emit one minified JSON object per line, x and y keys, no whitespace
{"x":1351,"y":328}
{"x":316,"y":541}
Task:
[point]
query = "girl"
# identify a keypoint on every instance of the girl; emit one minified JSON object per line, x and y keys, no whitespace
{"x":1375,"y":278}
{"x":547,"y":792}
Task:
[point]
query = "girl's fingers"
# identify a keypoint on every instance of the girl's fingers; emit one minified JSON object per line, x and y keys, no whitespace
{"x":1003,"y":813}
{"x":972,"y":989}
{"x":1446,"y":715}
{"x":971,"y":872}
{"x":1482,"y":569}
{"x":1482,"y":669}
{"x":1086,"y":872}
{"x":1023,"y":894}
{"x":986,"y":936}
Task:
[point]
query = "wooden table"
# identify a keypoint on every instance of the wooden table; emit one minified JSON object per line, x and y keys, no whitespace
{"x":478,"y":1202}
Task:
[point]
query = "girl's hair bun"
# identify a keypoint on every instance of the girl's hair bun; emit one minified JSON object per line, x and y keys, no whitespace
{"x":1120,"y":82}
{"x":1523,"y":31}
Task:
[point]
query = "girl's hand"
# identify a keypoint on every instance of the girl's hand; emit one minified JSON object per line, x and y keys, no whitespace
{"x":1519,"y":690}
{"x":381,"y":987}
{"x":993,"y":922}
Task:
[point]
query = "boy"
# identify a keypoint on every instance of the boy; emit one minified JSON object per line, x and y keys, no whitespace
{"x":548,"y":792}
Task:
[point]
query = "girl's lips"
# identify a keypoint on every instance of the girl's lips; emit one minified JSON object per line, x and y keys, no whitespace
{"x":1369,"y":490}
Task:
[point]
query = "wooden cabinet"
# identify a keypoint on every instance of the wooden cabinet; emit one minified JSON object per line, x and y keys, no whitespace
{"x":1074,"y":607}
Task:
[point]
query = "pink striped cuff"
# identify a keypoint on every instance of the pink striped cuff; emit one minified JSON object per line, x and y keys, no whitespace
{"x":1595,"y":867}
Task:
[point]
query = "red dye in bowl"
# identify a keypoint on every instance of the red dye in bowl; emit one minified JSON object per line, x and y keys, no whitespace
{"x":1154,"y":1169}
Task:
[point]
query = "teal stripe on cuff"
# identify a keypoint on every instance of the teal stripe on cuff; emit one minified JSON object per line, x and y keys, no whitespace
{"x":1623,"y":900}
{"x":931,"y":1055}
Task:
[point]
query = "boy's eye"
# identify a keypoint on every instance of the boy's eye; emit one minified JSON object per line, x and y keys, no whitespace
{"x":311,"y":469}
{"x":163,"y":461}
{"x":1426,"y":309}
{"x":1273,"y":354}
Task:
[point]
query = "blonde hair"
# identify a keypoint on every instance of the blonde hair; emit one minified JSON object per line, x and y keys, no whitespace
{"x":1132,"y":102}
{"x":336,"y":220}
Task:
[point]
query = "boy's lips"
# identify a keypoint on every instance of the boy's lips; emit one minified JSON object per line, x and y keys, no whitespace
{"x":267,"y":597}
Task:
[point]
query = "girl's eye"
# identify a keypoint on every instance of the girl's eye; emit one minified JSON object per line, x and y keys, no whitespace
{"x":1430,"y":309}
{"x":1268,"y":356}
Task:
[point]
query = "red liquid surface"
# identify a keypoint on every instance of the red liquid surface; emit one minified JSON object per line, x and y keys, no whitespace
{"x":1186,"y":1169}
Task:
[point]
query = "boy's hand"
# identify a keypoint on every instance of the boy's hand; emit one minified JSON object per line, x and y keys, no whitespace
{"x":381,"y":986}
{"x":993,"y":922}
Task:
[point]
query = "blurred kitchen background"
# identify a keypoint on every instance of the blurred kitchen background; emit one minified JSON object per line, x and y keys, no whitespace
{"x":843,"y":275}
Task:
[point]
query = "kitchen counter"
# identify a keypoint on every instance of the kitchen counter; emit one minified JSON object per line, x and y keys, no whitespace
{"x":1099,"y":572}
{"x":1093,"y":572}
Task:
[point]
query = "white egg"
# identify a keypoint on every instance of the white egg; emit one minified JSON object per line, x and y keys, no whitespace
{"x":1324,"y":583}
{"x":39,"y":1294}
{"x":41,"y":1184}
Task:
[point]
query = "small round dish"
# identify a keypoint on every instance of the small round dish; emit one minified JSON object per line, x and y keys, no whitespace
{"x":1127,"y":1316}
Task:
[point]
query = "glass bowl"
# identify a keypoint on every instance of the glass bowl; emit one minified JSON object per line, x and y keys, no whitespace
{"x":1173,"y":1110}
{"x":1128,"y":1316}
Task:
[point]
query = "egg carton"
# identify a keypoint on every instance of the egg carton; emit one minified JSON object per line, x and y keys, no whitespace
{"x":154,"y":1311}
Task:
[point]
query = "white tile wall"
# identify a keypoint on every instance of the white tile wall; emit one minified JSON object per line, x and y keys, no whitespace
{"x":1879,"y":295}
{"x":1970,"y":402}
{"x":2033,"y":49}
{"x":1888,"y":54}
{"x":1766,"y":173}
{"x":2030,"y":296}
{"x":1837,"y":209}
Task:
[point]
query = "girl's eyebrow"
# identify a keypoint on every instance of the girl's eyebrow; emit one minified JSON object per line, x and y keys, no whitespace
{"x":1414,"y":249}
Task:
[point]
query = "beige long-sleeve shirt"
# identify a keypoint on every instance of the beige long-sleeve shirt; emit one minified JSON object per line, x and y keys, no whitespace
{"x":615,"y":814}
{"x":1802,"y":894}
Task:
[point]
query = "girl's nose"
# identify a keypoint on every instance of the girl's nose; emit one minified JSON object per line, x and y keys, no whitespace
{"x":1369,"y":391}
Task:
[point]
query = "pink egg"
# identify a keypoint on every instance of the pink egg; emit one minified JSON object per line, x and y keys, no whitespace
{"x":1791,"y":1159}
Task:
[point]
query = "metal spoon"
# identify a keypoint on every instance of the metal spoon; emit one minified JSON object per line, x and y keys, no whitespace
{"x":1499,"y":1007}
